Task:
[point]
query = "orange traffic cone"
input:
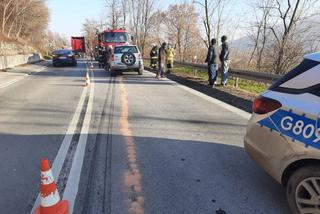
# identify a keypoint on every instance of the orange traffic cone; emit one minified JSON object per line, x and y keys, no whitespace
{"x":87,"y":79}
{"x":50,"y":199}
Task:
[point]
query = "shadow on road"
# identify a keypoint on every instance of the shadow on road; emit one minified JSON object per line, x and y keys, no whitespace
{"x":184,"y":176}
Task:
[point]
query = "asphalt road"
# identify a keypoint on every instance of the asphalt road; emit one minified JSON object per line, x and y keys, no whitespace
{"x":130,"y":144}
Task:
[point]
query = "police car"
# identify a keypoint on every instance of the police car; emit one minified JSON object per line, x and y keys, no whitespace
{"x":283,"y":134}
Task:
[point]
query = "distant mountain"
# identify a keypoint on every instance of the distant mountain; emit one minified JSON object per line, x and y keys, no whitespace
{"x":313,"y":36}
{"x":242,"y":44}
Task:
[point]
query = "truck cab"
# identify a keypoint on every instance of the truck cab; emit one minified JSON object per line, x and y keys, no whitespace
{"x":111,"y":38}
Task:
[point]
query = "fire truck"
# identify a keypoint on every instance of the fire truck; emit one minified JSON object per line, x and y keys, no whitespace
{"x":110,"y":37}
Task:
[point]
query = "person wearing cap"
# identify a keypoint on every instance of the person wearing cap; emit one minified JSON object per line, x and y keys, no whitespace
{"x":170,"y":58}
{"x":154,"y":56}
{"x":225,"y":61}
{"x":211,"y":60}
{"x":162,"y":58}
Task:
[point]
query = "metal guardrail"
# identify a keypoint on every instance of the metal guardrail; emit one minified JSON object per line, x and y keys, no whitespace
{"x":242,"y":74}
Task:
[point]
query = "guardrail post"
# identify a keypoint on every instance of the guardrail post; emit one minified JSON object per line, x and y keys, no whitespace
{"x":195,"y":72}
{"x":236,"y":82}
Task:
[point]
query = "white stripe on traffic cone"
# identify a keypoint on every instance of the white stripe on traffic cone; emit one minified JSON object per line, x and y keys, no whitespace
{"x":50,"y":199}
{"x":87,"y":79}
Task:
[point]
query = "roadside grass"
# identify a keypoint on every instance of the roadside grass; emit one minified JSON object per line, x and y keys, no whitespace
{"x":244,"y":85}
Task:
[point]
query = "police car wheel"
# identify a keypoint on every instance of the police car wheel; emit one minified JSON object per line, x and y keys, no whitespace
{"x":303,"y":190}
{"x":128,"y":59}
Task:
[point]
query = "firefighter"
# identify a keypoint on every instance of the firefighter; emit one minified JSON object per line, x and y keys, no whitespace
{"x":154,"y":56}
{"x":100,"y":56}
{"x":170,"y":58}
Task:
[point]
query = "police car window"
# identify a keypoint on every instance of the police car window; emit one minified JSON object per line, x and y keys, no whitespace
{"x":305,"y":65}
{"x":127,"y":49}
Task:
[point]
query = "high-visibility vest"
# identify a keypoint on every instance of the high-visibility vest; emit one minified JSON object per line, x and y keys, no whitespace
{"x":170,"y":54}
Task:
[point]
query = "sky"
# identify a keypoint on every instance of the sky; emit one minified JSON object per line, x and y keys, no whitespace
{"x":67,"y":16}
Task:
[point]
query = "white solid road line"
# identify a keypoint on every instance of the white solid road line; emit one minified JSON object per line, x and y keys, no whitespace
{"x":71,"y":190}
{"x":62,"y":153}
{"x":6,"y":84}
{"x":224,"y":105}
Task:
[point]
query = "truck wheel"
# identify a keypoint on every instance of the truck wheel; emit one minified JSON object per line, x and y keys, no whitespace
{"x":303,"y":190}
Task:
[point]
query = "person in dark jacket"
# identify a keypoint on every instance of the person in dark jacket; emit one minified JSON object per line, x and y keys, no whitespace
{"x":211,"y":60}
{"x":225,"y":61}
{"x":107,"y":57}
{"x":154,"y":56}
{"x":162,"y":58}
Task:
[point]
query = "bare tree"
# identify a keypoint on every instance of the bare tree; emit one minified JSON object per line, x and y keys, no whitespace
{"x":262,"y":10}
{"x":213,"y":17}
{"x":24,"y":18}
{"x":54,"y":41}
{"x":140,"y":13}
{"x":289,"y":17}
{"x":90,"y":29}
{"x":288,"y":28}
{"x":158,"y":28}
{"x":282,"y":33}
{"x":179,"y":20}
{"x":7,"y":10}
{"x":115,"y":13}
{"x":209,"y":8}
{"x":124,"y":12}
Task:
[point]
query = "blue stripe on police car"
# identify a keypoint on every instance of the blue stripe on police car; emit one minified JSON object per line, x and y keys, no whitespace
{"x":297,"y":127}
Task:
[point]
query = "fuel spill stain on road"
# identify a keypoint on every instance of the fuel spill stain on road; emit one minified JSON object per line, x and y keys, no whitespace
{"x":132,"y":176}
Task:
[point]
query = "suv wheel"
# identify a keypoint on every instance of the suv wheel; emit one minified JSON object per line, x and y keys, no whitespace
{"x":303,"y":190}
{"x":128,"y":59}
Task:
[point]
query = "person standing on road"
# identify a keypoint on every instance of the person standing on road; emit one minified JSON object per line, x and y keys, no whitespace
{"x":162,"y":58}
{"x":103,"y":57}
{"x":211,"y":60}
{"x":154,"y":56}
{"x":170,"y":58}
{"x":107,"y":57}
{"x":225,"y":61}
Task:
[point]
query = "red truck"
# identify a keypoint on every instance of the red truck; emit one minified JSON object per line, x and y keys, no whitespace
{"x":78,"y":44}
{"x":110,"y":37}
